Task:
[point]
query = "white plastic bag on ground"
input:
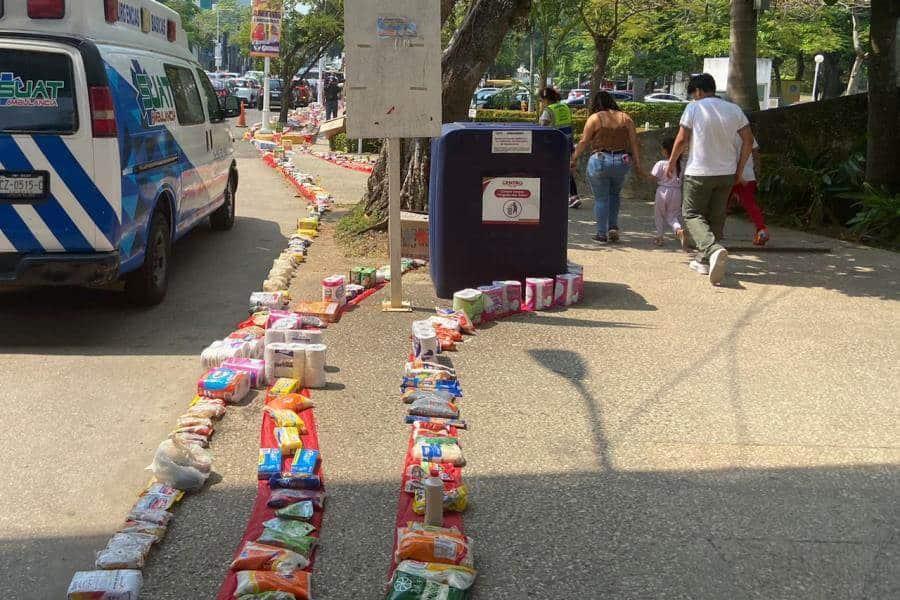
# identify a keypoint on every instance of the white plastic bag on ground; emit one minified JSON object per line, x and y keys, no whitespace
{"x":182,"y":466}
{"x":105,"y":585}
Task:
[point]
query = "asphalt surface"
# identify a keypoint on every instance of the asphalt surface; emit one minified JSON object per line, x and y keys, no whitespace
{"x":664,"y":439}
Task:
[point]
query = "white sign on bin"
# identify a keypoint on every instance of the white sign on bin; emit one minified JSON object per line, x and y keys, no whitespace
{"x":393,"y":68}
{"x":511,"y":142}
{"x":511,"y":200}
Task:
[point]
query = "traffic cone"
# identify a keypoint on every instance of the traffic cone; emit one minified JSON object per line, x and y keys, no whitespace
{"x":242,"y":119}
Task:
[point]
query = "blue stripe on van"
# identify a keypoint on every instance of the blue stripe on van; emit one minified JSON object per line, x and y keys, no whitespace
{"x":17,"y":231}
{"x":94,"y":202}
{"x":53,"y":214}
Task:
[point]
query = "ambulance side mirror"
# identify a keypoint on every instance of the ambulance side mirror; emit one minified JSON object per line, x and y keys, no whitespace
{"x":232,"y":107}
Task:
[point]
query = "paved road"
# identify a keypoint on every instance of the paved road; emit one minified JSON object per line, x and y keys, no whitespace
{"x":90,"y":385}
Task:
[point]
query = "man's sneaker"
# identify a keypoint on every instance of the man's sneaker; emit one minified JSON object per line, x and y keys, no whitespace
{"x":614,"y":235}
{"x":574,"y":202}
{"x":718,"y":260}
{"x":761,"y":237}
{"x":700,"y":267}
{"x":599,"y":238}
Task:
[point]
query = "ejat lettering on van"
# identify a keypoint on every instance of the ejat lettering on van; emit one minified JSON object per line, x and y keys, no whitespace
{"x":32,"y":93}
{"x":155,"y":96}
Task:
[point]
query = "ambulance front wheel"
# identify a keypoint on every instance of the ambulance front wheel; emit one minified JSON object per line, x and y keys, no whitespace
{"x":147,"y":286}
{"x":223,"y":217}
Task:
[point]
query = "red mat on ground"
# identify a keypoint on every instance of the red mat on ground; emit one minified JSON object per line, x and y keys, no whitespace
{"x":261,"y":512}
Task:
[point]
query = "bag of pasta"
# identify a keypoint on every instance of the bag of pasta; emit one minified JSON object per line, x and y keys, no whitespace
{"x":433,"y":544}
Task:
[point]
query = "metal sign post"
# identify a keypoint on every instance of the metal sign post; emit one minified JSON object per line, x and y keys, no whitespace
{"x":393,"y":89}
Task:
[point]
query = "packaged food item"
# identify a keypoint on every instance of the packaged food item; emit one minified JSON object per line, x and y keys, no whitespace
{"x":269,"y":462}
{"x":145,"y":527}
{"x":465,"y":323}
{"x":457,"y":576}
{"x":437,"y":381}
{"x":538,"y":293}
{"x":286,"y":418}
{"x":227,"y":384}
{"x":257,"y":319}
{"x":367,"y":277}
{"x":512,"y":296}
{"x":406,"y":586}
{"x":180,"y":465}
{"x":269,"y":596}
{"x":455,"y":500}
{"x":255,"y":582}
{"x":120,"y":584}
{"x":265,"y":300}
{"x":417,"y":470}
{"x":438,"y":449}
{"x":261,"y":557}
{"x":255,"y":369}
{"x":285,"y":360}
{"x":424,"y":340}
{"x":295,"y":402}
{"x":190,"y":439}
{"x":354,"y":290}
{"x":125,"y":551}
{"x":494,"y":306}
{"x":314,"y":376}
{"x":578,"y":271}
{"x":159,"y":497}
{"x":333,"y":289}
{"x":294,"y":336}
{"x":566,"y":293}
{"x":302,"y":544}
{"x":291,"y":527}
{"x":192,"y":421}
{"x":159,"y":517}
{"x":304,"y":463}
{"x":433,"y":544}
{"x":284,"y":323}
{"x":202,"y":430}
{"x":299,"y":511}
{"x":295,"y":482}
{"x":288,"y":439}
{"x":209,"y":408}
{"x":330,"y":312}
{"x":471,"y":302}
{"x":283,"y":498}
{"x":413,"y":419}
{"x":284,"y":385}
{"x":221,"y":350}
{"x":433,"y":407}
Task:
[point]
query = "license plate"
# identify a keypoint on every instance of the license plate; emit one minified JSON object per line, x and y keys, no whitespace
{"x":28,"y":186}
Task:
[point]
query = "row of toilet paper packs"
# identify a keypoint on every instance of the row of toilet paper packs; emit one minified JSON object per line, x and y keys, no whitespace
{"x":503,"y":298}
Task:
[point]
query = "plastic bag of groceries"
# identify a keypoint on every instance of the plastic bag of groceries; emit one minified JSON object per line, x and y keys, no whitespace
{"x":433,"y":544}
{"x":125,"y":551}
{"x":122,"y":584}
{"x":182,"y":466}
{"x":255,"y":582}
{"x":421,"y":581}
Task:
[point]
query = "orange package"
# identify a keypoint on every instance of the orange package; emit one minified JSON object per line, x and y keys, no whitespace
{"x":433,"y":544}
{"x":262,"y":557}
{"x":295,"y":402}
{"x":257,"y":582}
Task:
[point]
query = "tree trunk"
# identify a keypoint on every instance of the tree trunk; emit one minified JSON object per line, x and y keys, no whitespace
{"x":856,"y":71}
{"x":742,"y":61}
{"x":776,"y":73}
{"x":884,"y":98}
{"x":602,"y":48}
{"x":472,"y":50}
{"x":830,"y":85}
{"x":801,"y":67}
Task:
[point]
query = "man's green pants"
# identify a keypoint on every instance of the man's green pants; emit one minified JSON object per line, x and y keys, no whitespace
{"x":703,"y":206}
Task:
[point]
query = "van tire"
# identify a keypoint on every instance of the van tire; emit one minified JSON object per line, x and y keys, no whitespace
{"x":148,"y":285}
{"x":223,"y":217}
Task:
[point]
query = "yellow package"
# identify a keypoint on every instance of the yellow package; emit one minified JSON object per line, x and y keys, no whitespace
{"x":286,"y":418}
{"x":455,"y":500}
{"x":310,"y":233}
{"x":308,"y":223}
{"x":288,"y":439}
{"x":284,"y":385}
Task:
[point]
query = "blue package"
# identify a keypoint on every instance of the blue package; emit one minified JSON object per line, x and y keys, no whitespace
{"x":415,"y":383}
{"x":458,"y":423}
{"x":305,"y":462}
{"x":295,"y":482}
{"x":269,"y":462}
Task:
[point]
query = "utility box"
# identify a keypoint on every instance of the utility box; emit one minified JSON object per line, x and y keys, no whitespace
{"x":498,"y":204}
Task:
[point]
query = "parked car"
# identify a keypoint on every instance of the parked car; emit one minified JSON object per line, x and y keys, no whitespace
{"x":220,"y":89}
{"x":247,"y":90}
{"x":133,"y":153}
{"x":481,"y":95}
{"x":583,"y":101}
{"x":276,"y":91}
{"x":663,"y":97}
{"x":578,"y":93}
{"x":507,"y":99}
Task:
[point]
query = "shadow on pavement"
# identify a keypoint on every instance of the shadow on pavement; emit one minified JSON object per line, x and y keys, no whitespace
{"x":744,"y":533}
{"x":211,"y":273}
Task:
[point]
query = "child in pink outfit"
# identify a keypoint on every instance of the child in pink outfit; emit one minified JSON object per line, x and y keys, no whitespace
{"x":668,"y":196}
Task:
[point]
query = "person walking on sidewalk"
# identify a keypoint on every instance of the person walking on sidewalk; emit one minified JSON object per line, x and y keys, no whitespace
{"x":668,"y":197}
{"x":746,"y":193}
{"x":557,"y":113}
{"x":708,"y":126}
{"x":332,"y":97}
{"x":612,"y":138}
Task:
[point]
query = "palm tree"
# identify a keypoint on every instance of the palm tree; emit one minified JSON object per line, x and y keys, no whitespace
{"x":742,"y":61}
{"x":884,"y":97}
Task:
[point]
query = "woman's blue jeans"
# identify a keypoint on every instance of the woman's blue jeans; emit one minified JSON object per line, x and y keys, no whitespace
{"x":606,"y":174}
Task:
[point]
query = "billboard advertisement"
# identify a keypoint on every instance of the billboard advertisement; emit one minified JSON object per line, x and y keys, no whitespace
{"x":265,"y":28}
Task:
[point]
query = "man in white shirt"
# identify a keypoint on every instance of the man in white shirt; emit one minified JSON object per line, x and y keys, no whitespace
{"x":708,"y":127}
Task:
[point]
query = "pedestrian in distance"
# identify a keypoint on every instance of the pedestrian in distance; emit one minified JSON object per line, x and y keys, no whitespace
{"x":745,"y":193}
{"x":556,"y":113}
{"x":668,"y":196}
{"x":611,"y":137}
{"x":332,"y":97}
{"x":708,"y":126}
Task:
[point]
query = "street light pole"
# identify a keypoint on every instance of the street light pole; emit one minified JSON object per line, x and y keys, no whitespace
{"x":218,"y":50}
{"x":819,"y":60}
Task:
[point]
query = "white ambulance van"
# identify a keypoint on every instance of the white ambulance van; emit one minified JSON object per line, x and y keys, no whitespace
{"x":113,"y":144}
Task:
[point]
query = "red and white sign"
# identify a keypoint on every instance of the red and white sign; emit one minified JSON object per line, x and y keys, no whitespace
{"x":511,"y":200}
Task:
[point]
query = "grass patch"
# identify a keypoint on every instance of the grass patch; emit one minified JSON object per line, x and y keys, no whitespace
{"x":348,"y":235}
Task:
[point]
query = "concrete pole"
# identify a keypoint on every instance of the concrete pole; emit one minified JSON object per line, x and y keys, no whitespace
{"x":266,"y":100}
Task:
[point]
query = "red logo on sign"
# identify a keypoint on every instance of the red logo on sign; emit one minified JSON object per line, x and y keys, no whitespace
{"x":512,"y":194}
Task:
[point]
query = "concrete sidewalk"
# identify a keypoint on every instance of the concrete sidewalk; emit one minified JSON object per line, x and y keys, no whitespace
{"x":665,"y":439}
